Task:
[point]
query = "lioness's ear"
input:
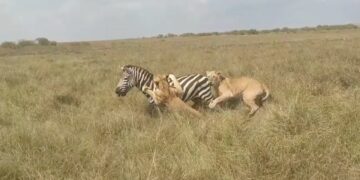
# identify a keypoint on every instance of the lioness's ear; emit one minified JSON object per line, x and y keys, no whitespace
{"x":220,"y":75}
{"x":125,"y":69}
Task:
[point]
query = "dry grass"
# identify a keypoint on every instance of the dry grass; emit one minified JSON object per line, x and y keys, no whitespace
{"x":60,"y":118}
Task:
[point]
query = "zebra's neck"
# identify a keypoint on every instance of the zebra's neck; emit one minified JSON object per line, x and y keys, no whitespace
{"x":142,"y":78}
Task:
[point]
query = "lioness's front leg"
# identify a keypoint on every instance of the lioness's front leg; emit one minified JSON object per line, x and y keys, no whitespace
{"x":219,"y":99}
{"x":176,"y":84}
{"x":151,"y":93}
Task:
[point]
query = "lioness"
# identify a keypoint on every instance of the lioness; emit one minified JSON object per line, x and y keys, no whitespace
{"x":226,"y":88}
{"x":165,"y":94}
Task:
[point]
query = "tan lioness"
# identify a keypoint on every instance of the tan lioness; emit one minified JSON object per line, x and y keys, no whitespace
{"x":167,"y":95}
{"x":249,"y":89}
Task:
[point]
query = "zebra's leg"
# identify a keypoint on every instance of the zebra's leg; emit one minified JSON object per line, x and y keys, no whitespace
{"x":198,"y":103}
{"x":193,"y":111}
{"x":158,"y":110}
{"x":219,"y":99}
{"x":154,"y":110}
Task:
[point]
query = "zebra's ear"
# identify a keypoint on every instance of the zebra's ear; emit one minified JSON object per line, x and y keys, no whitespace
{"x":125,"y":69}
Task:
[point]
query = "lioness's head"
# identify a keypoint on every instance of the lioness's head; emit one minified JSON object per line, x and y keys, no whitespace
{"x":161,"y":84}
{"x":160,"y":81}
{"x":215,"y":77}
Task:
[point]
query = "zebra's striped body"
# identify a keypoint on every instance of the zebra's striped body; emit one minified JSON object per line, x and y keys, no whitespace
{"x":196,"y":87}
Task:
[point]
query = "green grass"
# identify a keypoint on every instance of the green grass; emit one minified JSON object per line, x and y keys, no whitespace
{"x":60,"y":117}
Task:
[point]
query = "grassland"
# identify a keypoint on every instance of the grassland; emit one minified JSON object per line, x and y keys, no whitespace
{"x":60,"y":117}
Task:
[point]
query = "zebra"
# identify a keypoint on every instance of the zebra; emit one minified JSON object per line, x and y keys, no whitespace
{"x":196,"y":87}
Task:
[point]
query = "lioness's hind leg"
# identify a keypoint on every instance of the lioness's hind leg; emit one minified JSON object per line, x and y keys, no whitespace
{"x":193,"y":111}
{"x":250,"y":100}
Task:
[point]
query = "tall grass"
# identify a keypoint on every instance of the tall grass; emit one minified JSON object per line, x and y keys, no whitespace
{"x":60,"y":118}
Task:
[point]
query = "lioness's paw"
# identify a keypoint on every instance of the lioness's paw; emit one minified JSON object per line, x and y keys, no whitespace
{"x":172,"y":77}
{"x":145,"y":88}
{"x":212,"y":104}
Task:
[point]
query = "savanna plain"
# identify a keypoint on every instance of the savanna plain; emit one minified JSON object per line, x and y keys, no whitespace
{"x":61,"y":119}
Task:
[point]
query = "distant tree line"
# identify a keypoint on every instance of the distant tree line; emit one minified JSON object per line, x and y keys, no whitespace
{"x":22,"y":43}
{"x":254,"y":31}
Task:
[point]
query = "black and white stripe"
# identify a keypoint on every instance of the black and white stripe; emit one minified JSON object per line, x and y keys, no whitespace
{"x":196,"y":87}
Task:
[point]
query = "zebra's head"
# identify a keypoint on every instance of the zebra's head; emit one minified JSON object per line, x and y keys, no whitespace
{"x":126,"y":83}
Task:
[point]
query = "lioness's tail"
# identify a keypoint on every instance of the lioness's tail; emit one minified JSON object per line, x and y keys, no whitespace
{"x":267,"y":92}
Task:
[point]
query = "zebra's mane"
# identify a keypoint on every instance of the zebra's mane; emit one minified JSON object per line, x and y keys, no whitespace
{"x":133,"y":67}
